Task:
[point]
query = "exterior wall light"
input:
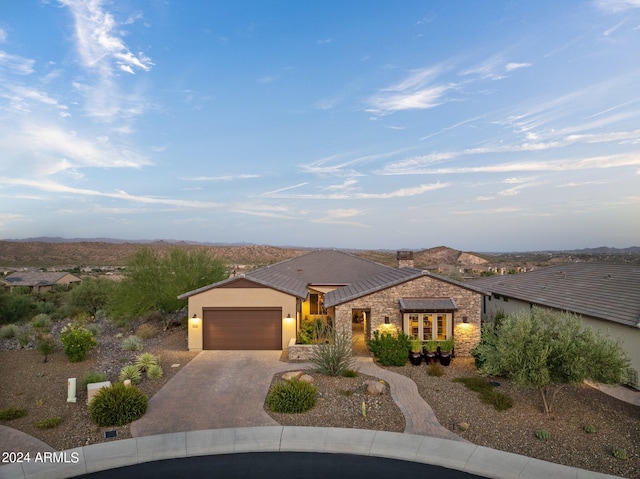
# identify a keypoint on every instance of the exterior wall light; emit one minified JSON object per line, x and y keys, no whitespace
{"x":465,"y":319}
{"x":195,"y":321}
{"x":386,"y":320}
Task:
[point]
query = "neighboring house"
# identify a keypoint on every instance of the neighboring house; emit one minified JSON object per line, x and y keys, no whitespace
{"x":38,"y":281}
{"x":263,"y":309}
{"x":606,"y":296}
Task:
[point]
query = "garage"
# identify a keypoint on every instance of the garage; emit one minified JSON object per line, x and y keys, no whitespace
{"x":242,"y":328}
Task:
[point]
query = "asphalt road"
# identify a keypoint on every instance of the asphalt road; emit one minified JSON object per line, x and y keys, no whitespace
{"x":279,"y":465}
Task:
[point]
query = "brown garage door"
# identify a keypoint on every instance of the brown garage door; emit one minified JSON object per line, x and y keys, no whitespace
{"x":242,"y":328}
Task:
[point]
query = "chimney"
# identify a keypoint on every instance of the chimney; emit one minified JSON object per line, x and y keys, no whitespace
{"x":405,"y":259}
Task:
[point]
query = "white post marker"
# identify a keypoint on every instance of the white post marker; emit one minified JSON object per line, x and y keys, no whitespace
{"x":71,"y":390}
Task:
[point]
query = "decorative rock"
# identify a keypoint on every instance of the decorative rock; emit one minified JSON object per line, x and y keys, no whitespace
{"x":306,"y":379}
{"x":291,"y":375}
{"x":175,"y":366}
{"x":463,"y":426}
{"x":375,"y":388}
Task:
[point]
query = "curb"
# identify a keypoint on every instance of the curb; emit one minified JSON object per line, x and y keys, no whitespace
{"x":461,"y":456}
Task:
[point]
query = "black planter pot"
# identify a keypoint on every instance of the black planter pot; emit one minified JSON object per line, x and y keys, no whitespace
{"x":430,"y":357}
{"x":445,"y":358}
{"x":415,"y":358}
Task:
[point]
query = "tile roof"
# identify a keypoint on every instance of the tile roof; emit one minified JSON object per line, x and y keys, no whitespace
{"x":427,"y":304}
{"x":370,"y":285}
{"x":34,"y":278}
{"x":328,"y":267}
{"x":606,"y":291}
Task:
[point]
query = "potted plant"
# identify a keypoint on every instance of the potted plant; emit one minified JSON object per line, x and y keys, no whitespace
{"x":446,"y":349}
{"x":415,"y":356}
{"x":430,"y":351}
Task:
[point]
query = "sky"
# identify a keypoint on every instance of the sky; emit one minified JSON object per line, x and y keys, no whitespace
{"x":371,"y":124}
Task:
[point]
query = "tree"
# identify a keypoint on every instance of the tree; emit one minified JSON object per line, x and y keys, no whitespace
{"x":92,"y":295}
{"x":46,"y":345}
{"x":153,"y":282}
{"x":546,"y":350}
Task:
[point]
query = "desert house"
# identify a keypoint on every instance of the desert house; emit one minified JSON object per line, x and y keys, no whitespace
{"x":263,"y":309}
{"x":605,"y":296}
{"x":39,"y":281}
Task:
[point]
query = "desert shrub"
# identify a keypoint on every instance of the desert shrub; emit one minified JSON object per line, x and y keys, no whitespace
{"x":589,"y":428}
{"x":41,"y":322}
{"x":292,"y":396}
{"x":117,"y":405}
{"x":310,"y":330}
{"x":488,"y":394}
{"x":94,"y":329}
{"x":147,"y":331}
{"x":24,"y":336}
{"x":92,"y":377}
{"x":77,"y":342}
{"x":334,"y":356}
{"x":154,"y":371}
{"x":434,"y":369}
{"x":145,"y":360}
{"x":350,"y":373}
{"x":9,"y":331}
{"x":12,"y":413}
{"x":131,"y":372}
{"x":46,"y":345}
{"x":132,"y":343}
{"x":49,"y":422}
{"x":390,"y":349}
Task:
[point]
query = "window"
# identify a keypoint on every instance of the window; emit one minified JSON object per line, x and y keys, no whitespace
{"x":426,"y":326}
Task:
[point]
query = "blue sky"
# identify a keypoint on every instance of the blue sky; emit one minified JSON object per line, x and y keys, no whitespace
{"x":485,"y":126}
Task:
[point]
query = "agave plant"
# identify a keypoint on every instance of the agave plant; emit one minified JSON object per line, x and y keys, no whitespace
{"x":145,"y":360}
{"x":131,"y":372}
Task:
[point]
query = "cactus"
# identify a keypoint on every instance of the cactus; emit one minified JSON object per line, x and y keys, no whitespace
{"x":543,"y":434}
{"x":364,"y":409}
{"x":619,"y":453}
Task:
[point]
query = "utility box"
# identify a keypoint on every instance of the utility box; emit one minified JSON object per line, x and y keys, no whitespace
{"x":93,"y":388}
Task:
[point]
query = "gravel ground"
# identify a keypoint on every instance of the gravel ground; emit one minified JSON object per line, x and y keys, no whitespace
{"x":40,"y":388}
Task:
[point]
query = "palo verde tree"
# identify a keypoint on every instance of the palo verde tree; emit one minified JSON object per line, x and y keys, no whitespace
{"x":92,"y":295}
{"x":546,"y":350}
{"x":153,"y":281}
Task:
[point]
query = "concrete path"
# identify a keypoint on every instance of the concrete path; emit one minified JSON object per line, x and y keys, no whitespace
{"x":12,"y":440}
{"x":420,"y":418}
{"x":216,"y":389}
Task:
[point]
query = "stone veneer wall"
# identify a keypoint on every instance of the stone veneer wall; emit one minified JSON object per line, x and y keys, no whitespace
{"x":386,"y":303}
{"x":299,"y":352}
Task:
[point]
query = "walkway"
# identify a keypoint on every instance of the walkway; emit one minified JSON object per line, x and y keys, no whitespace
{"x":12,"y":440}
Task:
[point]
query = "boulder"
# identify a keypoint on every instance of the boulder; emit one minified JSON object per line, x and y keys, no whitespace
{"x":375,"y":388}
{"x":291,"y":375}
{"x":306,"y":378}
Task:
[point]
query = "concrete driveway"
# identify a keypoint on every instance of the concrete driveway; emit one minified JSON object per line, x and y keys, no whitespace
{"x":216,"y":389}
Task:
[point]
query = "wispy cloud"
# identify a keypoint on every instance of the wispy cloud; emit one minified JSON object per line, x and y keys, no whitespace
{"x":340,"y":217}
{"x":16,"y":64}
{"x":494,"y":68}
{"x":617,"y":5}
{"x":219,"y":178}
{"x":355,"y":195}
{"x":54,"y":187}
{"x":418,"y":91}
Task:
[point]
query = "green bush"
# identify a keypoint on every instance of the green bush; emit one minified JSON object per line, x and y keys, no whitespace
{"x":92,"y":377}
{"x":132,"y":343}
{"x":77,"y":342}
{"x":94,"y":329}
{"x":49,"y":422}
{"x":390,"y":349}
{"x":589,"y":428}
{"x":12,"y":413}
{"x":117,"y":405}
{"x":292,"y":396}
{"x":350,"y":373}
{"x":131,"y":372}
{"x":41,"y":322}
{"x":46,"y":345}
{"x":619,"y":453}
{"x":145,"y":360}
{"x":9,"y":331}
{"x":154,"y":371}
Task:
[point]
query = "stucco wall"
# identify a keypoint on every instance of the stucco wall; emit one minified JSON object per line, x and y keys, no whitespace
{"x":629,"y":336}
{"x":386,"y":303}
{"x":241,"y":298}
